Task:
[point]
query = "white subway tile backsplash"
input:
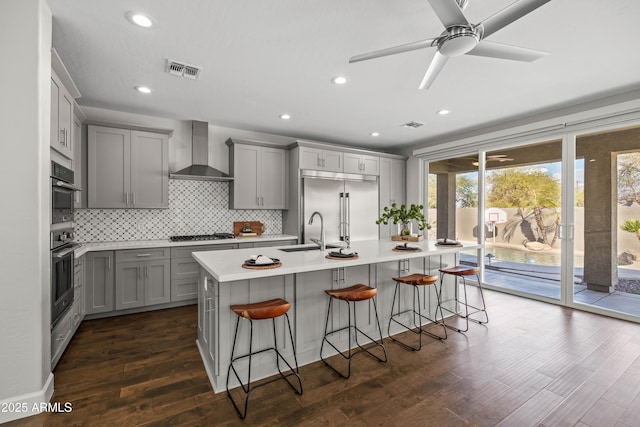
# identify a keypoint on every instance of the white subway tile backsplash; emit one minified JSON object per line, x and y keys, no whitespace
{"x":195,"y":207}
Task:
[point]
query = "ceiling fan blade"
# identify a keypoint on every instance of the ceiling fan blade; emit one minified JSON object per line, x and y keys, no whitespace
{"x":449,"y":13}
{"x":436,"y":65}
{"x":505,"y":51}
{"x":421,"y":44}
{"x":509,"y":14}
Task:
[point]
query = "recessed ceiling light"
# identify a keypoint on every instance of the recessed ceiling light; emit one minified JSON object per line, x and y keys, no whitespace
{"x":443,"y":112}
{"x":143,"y":89}
{"x":374,"y":134}
{"x":339,"y":80}
{"x":285,"y":116}
{"x":140,"y":19}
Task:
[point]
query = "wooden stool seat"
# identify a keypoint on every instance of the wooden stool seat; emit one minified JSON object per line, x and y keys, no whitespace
{"x":357,"y":292}
{"x":459,"y":270}
{"x":417,"y":279}
{"x":262,"y":310}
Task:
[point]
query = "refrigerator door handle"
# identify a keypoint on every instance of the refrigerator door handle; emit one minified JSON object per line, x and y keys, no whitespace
{"x":347,"y":224}
{"x":341,"y":218}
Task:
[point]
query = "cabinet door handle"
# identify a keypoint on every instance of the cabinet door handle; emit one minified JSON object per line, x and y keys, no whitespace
{"x":133,"y":198}
{"x":143,"y":255}
{"x":261,"y":201}
{"x":319,"y":161}
{"x":146,"y":271}
{"x":109,"y":263}
{"x":126,"y":198}
{"x":61,"y":138}
{"x":324,"y":163}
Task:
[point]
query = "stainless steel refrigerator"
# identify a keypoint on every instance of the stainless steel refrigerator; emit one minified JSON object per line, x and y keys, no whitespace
{"x":349,"y":208}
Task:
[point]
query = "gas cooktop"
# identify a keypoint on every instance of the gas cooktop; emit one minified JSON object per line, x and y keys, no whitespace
{"x":214,"y":236}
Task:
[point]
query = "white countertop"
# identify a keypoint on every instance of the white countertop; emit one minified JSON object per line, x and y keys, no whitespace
{"x":226,"y":266}
{"x":164,"y":243}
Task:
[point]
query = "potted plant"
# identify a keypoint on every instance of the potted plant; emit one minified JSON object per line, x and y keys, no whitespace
{"x":404,"y":216}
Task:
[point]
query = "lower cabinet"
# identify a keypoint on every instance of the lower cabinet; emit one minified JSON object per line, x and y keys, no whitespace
{"x":99,"y":279}
{"x":142,"y":277}
{"x":185,"y":271}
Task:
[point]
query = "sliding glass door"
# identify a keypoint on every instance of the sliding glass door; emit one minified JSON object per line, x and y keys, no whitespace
{"x":607,"y":221}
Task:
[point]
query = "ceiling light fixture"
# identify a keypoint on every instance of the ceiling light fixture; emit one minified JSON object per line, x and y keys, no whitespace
{"x":443,"y":112}
{"x":285,"y":116}
{"x":374,"y":134}
{"x":140,"y":19}
{"x":339,"y":80}
{"x":143,"y":89}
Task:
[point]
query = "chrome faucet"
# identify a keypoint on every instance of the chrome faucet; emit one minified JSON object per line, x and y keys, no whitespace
{"x":320,"y":241}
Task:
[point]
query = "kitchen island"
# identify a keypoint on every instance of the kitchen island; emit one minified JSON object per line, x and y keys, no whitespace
{"x":301,"y":280}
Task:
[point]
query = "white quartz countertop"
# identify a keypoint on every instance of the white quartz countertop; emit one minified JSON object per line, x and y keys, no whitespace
{"x":226,"y":266}
{"x":164,"y":243}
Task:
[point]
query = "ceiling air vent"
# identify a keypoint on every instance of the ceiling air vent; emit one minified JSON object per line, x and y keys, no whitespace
{"x":181,"y":69}
{"x":413,"y":125}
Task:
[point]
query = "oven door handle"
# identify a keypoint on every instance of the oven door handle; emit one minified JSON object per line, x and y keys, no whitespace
{"x":67,"y":186}
{"x":64,"y":252}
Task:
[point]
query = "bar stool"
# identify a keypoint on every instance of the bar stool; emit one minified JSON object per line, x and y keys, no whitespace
{"x":460,"y":271}
{"x":270,"y":309}
{"x":351,"y":295}
{"x":415,"y":281}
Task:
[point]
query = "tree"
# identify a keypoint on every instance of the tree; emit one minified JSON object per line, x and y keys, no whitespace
{"x":466,"y":191}
{"x":527,"y":189}
{"x":629,"y":178}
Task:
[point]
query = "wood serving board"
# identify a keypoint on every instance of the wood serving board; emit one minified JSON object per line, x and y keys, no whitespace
{"x":256,"y":227}
{"x":262,"y":267}
{"x":444,"y":245}
{"x":407,"y":250}
{"x":399,"y":238}
{"x":341,"y":258}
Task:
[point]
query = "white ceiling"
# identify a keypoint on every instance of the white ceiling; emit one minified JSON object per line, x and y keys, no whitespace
{"x":264,"y":58}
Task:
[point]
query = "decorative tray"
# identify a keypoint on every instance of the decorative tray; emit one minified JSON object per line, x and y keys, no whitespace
{"x":251,"y":264}
{"x":340,"y":255}
{"x":405,"y":248}
{"x":448,"y":242}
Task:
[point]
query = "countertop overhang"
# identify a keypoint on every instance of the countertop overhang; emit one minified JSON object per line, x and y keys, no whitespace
{"x":226,"y":266}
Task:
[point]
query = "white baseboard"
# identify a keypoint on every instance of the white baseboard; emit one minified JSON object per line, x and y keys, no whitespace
{"x":28,"y":404}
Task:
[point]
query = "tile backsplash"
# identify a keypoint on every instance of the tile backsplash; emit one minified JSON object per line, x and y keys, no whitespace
{"x":195,"y":207}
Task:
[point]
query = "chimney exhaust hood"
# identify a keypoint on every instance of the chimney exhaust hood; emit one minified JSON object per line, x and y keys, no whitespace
{"x":200,"y":170}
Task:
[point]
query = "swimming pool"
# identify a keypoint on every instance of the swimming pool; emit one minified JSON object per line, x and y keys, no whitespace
{"x":523,"y":256}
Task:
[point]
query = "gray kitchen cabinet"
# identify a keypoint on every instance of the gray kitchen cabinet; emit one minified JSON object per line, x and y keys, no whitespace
{"x":77,"y":161}
{"x":79,"y":285}
{"x":392,"y":189}
{"x":321,"y":159}
{"x":61,"y":118}
{"x":142,"y":278}
{"x":99,"y":282}
{"x":260,"y":176}
{"x":127,"y":168}
{"x":361,"y":163}
{"x":185,"y":271}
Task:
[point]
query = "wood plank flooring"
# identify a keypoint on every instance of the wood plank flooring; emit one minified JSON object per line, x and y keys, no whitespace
{"x":534,"y":364}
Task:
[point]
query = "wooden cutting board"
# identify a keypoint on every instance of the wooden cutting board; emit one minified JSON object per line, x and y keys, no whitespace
{"x":256,"y":227}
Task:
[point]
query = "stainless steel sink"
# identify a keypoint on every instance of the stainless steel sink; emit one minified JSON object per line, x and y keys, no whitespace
{"x":306,"y":248}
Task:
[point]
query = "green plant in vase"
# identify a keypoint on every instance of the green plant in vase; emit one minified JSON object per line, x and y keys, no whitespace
{"x":403,"y":215}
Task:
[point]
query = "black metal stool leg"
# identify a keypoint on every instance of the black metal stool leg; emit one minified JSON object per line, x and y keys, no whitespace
{"x":417,"y":324}
{"x":356,"y":330}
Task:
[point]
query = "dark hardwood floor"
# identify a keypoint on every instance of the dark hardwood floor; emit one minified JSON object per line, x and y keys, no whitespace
{"x":533,"y":364}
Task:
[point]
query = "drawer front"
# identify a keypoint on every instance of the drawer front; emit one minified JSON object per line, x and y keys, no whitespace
{"x":142,"y":254}
{"x":182,"y":268}
{"x":59,"y":336}
{"x":184,"y":289}
{"x":185,"y":251}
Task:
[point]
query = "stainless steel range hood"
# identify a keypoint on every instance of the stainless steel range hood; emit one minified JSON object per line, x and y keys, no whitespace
{"x":200,"y":170}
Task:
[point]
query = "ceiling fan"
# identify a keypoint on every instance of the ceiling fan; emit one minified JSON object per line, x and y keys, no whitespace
{"x":461,"y":37}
